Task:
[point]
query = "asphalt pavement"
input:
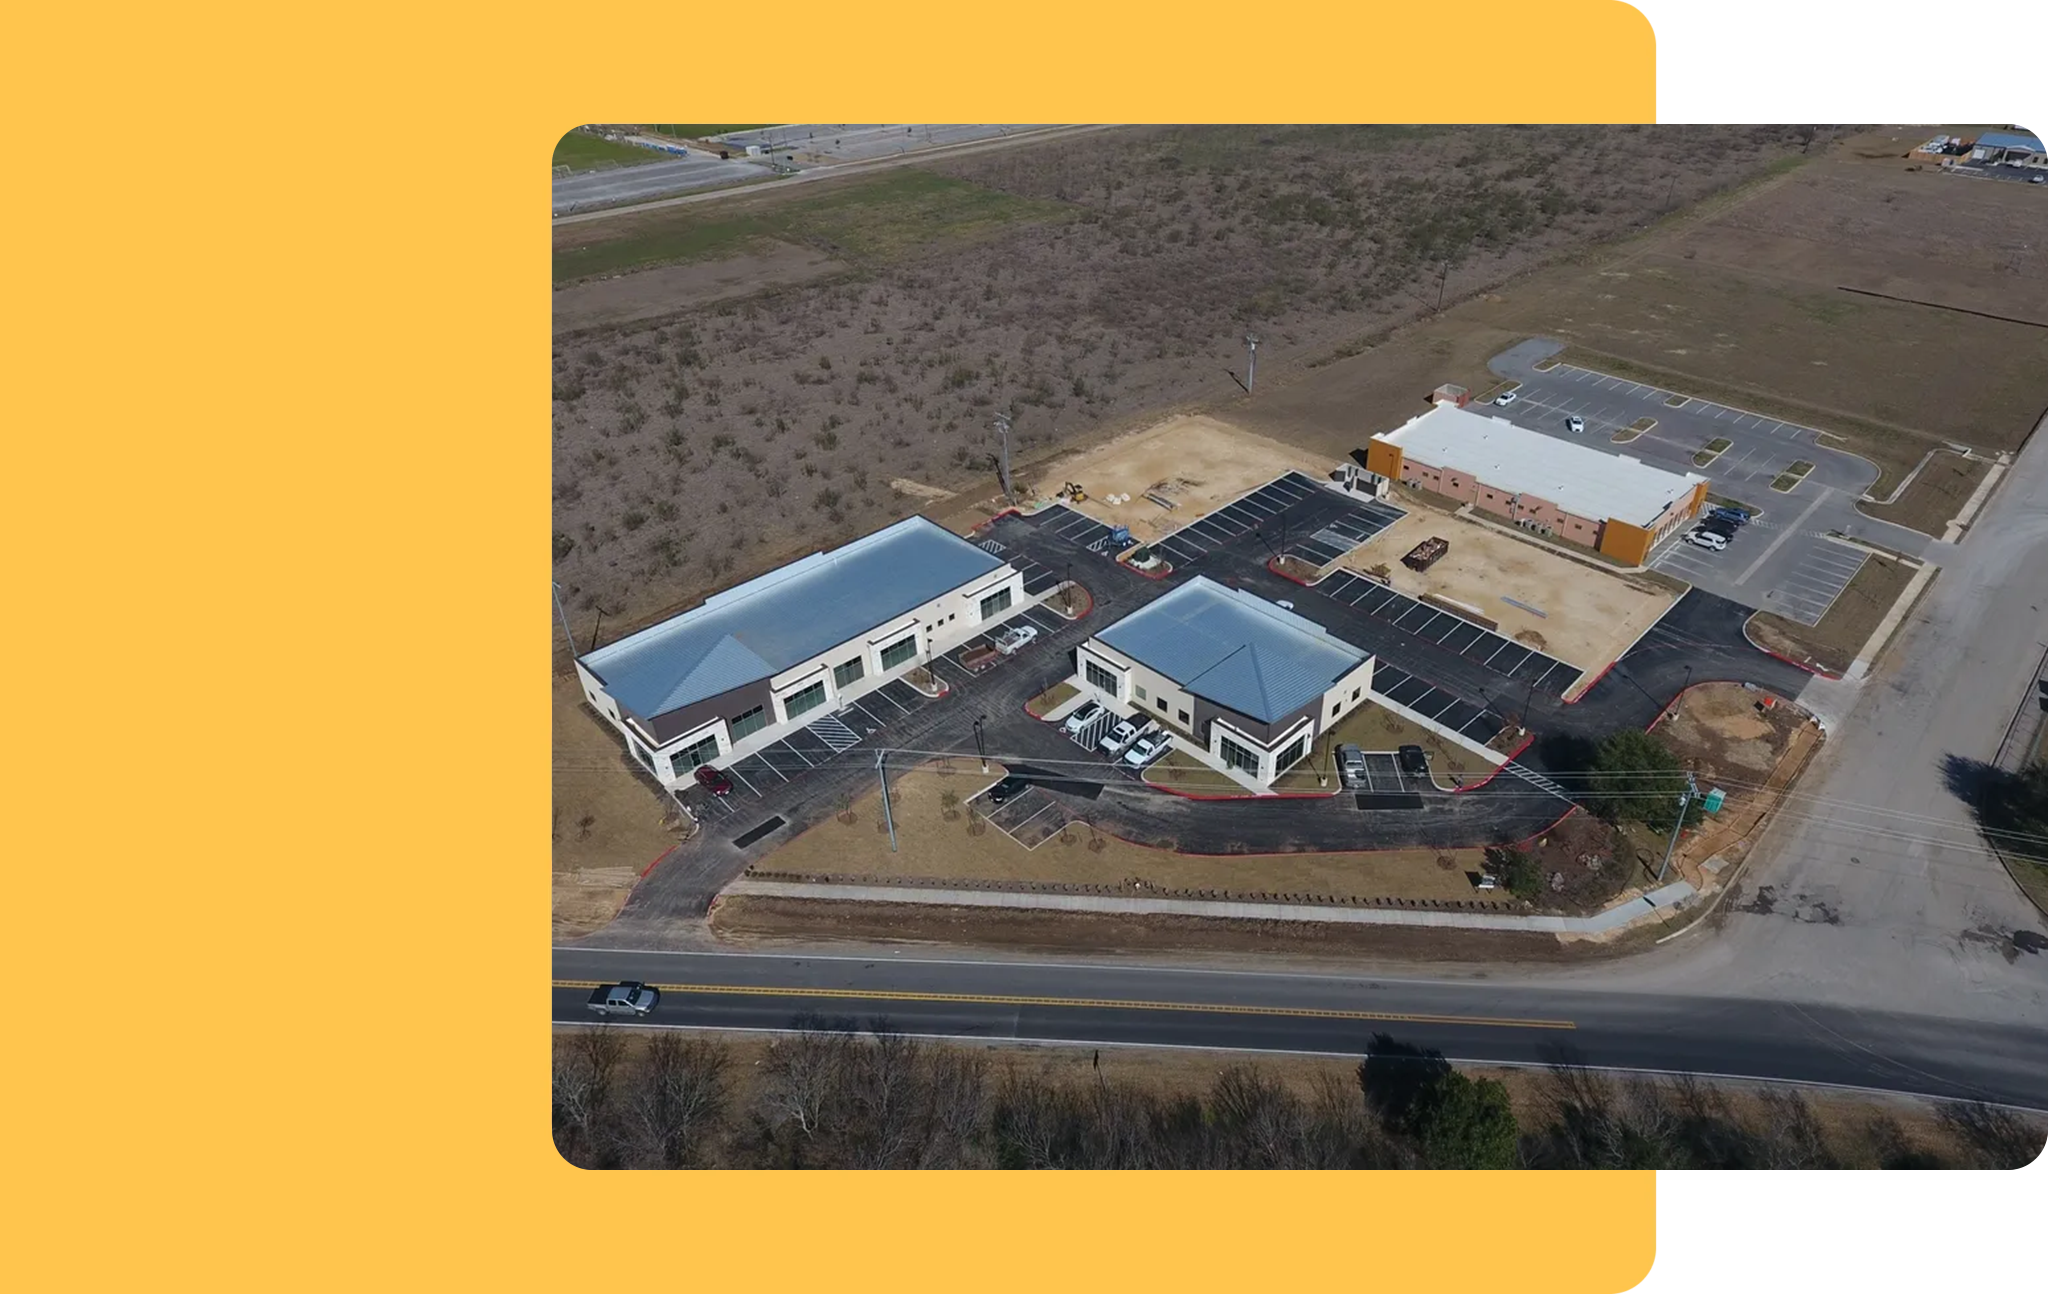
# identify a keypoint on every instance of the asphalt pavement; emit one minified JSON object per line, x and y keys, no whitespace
{"x":1784,"y":561}
{"x":1123,"y":1004}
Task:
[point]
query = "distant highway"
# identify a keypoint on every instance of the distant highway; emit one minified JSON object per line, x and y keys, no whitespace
{"x":838,"y":171}
{"x":1475,"y":1021}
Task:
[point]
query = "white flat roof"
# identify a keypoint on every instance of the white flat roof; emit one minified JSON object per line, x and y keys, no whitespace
{"x":1577,"y":478}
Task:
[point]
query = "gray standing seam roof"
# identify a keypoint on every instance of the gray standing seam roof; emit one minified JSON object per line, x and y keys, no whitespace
{"x":1237,"y":650}
{"x":786,"y":617}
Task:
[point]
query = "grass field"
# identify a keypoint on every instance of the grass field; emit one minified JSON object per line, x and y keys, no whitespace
{"x":583,"y":152}
{"x":703,"y":132}
{"x":1935,"y":496}
{"x":1833,"y":643}
{"x":870,"y":221}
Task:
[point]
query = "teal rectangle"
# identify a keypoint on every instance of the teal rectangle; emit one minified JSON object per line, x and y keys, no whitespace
{"x":1872,"y":1233}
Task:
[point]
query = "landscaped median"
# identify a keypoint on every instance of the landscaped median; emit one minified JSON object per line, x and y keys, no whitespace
{"x":1788,"y":479}
{"x":1633,"y":430}
{"x":1712,"y":450}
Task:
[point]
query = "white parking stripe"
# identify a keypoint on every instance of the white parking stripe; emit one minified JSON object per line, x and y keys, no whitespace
{"x":784,"y":743}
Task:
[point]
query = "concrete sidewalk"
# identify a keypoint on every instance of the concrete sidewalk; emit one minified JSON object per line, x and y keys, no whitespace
{"x":1658,"y":901}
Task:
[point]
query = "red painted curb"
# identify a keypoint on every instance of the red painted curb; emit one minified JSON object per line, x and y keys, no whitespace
{"x":1006,"y":512}
{"x":1796,"y":664}
{"x":1526,"y":743}
{"x":1149,"y":575}
{"x":1587,"y":690}
{"x":1083,"y":613}
{"x":657,"y":862}
{"x":1272,"y":565}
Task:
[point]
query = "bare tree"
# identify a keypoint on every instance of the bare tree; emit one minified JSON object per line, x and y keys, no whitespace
{"x":679,"y":1100}
{"x":803,"y":1078}
{"x":586,"y":1066}
{"x":1993,"y":1136}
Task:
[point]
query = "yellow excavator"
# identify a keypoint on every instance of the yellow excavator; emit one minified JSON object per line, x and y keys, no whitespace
{"x":1072,"y":493}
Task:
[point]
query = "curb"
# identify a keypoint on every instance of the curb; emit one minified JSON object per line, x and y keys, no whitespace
{"x":1473,"y":786}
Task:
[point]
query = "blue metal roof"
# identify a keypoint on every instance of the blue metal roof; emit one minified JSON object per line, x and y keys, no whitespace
{"x":1240,"y":651}
{"x":786,"y":617}
{"x":2007,"y":139}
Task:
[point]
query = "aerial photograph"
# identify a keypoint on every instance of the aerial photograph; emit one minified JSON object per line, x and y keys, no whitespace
{"x":1266,"y":646}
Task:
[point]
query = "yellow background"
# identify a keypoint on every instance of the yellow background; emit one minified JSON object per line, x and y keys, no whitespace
{"x":278,"y":506}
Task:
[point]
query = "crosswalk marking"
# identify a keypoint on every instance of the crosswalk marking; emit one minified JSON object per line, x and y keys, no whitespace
{"x":1537,"y":780}
{"x":832,"y":730}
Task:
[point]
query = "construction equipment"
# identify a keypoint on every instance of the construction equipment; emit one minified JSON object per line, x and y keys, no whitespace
{"x":1072,"y":493}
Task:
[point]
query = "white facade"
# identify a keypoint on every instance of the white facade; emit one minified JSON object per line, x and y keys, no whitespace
{"x":932,"y":629}
{"x":1145,"y":693}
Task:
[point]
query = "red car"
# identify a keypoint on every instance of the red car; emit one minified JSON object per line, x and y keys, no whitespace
{"x":713,"y":781}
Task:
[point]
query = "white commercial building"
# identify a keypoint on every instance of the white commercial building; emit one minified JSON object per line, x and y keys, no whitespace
{"x":774,"y":654}
{"x":1251,"y":682}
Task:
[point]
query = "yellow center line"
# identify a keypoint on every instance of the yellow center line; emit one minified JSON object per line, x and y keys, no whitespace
{"x":1113,"y":1004}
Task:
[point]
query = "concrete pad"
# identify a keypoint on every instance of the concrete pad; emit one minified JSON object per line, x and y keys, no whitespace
{"x":1590,"y":617}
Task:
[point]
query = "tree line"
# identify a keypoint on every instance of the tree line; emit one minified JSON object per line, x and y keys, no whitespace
{"x":831,"y":1095}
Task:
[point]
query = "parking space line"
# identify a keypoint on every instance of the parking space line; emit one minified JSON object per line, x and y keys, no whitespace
{"x":784,"y":743}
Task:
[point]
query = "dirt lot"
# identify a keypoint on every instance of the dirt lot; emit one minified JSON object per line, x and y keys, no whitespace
{"x":937,"y":841}
{"x":609,"y":822}
{"x":1833,"y":643}
{"x":1751,"y":753}
{"x":1592,"y":616}
{"x":1936,"y":496}
{"x":793,"y":410}
{"x":1752,"y":304}
{"x":1199,"y":462}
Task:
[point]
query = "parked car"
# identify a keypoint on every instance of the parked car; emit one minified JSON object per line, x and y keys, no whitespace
{"x":1350,"y":766}
{"x":1716,"y":526}
{"x":1707,"y":539}
{"x":1082,"y":717}
{"x":1735,"y":516}
{"x":1007,"y":789}
{"x":1575,"y":425}
{"x":629,"y":998}
{"x":1148,"y":748}
{"x":1505,"y":398}
{"x":1120,"y":736}
{"x":1015,"y":638}
{"x":713,"y":781}
{"x":1414,"y":761}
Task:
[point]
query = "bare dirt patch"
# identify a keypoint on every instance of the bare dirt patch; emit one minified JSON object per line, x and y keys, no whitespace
{"x":1832,"y":644}
{"x":1197,"y":462}
{"x":609,"y":823}
{"x":1590,"y":617}
{"x":935,"y":847}
{"x":653,"y":293}
{"x":1936,"y":496}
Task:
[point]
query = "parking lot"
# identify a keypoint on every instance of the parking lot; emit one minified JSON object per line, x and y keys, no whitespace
{"x":1784,"y":561}
{"x":1802,"y":586}
{"x":650,"y":179}
{"x":1482,"y":647}
{"x":1330,"y":539}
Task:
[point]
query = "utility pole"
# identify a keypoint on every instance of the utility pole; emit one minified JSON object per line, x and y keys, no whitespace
{"x":1443,"y":283}
{"x":1003,"y":458}
{"x":882,"y":771}
{"x":565,"y":622}
{"x":1251,"y":365}
{"x":1692,"y":788}
{"x":980,"y":746}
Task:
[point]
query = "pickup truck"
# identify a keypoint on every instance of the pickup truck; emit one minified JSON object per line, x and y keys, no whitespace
{"x":629,"y":998}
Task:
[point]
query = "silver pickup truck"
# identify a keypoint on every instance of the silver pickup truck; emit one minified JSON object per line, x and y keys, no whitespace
{"x":629,"y":998}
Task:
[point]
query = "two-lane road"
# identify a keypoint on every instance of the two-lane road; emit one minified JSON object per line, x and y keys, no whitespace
{"x":1477,"y":1021}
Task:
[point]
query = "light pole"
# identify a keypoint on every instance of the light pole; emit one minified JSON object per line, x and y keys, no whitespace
{"x":882,"y":771}
{"x":1251,"y":365}
{"x":565,"y":621}
{"x":980,"y":746}
{"x":1003,"y":455}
